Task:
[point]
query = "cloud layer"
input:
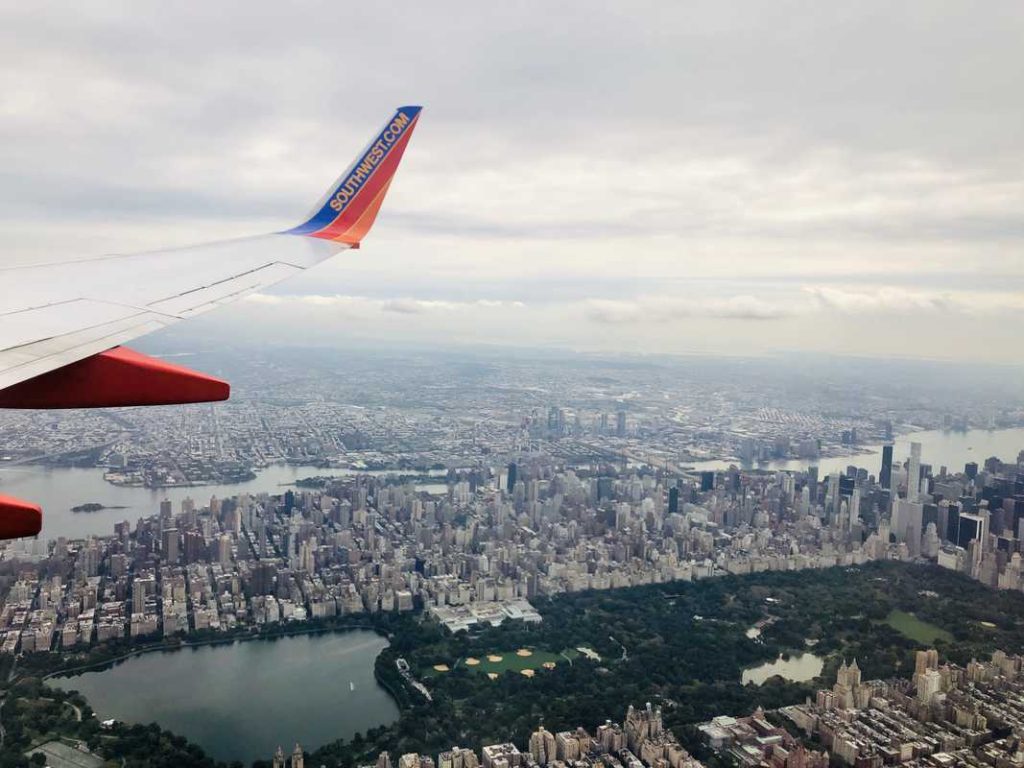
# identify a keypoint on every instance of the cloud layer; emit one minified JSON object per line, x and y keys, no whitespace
{"x":656,"y":309}
{"x":646,"y":177}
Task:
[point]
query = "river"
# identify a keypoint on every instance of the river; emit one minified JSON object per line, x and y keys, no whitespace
{"x":938,"y":448}
{"x":60,"y":489}
{"x":240,"y":701}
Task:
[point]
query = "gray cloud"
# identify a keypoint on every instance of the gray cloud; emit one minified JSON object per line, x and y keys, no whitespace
{"x":626,"y":164}
{"x":365,"y":305}
{"x":662,"y":309}
{"x":888,"y":299}
{"x":415,"y":306}
{"x":815,"y":299}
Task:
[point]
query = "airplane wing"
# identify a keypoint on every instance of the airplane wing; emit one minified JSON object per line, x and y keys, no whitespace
{"x":62,"y":323}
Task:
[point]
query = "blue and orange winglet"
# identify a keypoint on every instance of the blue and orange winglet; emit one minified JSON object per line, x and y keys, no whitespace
{"x":348,"y":210}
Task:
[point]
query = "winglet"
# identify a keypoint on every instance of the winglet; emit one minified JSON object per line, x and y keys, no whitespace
{"x":19,"y":518}
{"x":346,"y":213}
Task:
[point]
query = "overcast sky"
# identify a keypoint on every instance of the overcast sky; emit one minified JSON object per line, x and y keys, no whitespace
{"x":741,"y":178}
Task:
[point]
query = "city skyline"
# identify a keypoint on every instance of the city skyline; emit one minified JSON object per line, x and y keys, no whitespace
{"x":472,"y":556}
{"x":459,"y":499}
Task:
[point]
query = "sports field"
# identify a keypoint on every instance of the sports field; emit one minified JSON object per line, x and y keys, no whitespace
{"x":919,"y":631}
{"x":496,"y":662}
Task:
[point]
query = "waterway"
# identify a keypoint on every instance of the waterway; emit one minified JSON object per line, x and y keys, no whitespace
{"x":60,"y":489}
{"x":240,"y":701}
{"x":938,"y":448}
{"x":797,"y":669}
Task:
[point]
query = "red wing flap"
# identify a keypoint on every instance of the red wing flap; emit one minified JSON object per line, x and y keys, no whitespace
{"x":19,"y":518}
{"x":117,"y":377}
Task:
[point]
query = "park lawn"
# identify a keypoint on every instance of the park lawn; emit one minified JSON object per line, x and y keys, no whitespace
{"x":510,"y":662}
{"x":909,"y":625}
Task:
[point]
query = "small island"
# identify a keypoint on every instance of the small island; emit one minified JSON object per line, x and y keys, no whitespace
{"x":318,"y":481}
{"x":93,"y":506}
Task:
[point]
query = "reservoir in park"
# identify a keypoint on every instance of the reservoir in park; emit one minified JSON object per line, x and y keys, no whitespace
{"x":239,"y":701}
{"x":798,"y":668}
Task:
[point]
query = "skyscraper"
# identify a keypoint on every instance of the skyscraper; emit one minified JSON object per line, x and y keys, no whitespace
{"x":138,"y":597}
{"x":908,"y":524}
{"x":224,"y":550}
{"x":972,"y":527}
{"x":513,"y":471}
{"x":885,"y":475}
{"x":542,"y":746}
{"x":953,"y":523}
{"x":193,"y":546}
{"x":832,"y":509}
{"x":914,"y":472}
{"x":673,"y":500}
{"x":170,"y":545}
{"x":620,"y":424}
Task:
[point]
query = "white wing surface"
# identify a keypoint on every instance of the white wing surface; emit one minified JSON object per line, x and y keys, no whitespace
{"x":56,"y":314}
{"x":62,"y":324}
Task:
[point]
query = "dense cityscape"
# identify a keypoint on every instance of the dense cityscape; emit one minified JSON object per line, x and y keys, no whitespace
{"x":943,"y":715}
{"x":480,"y":550}
{"x":452,"y":410}
{"x":503,"y":506}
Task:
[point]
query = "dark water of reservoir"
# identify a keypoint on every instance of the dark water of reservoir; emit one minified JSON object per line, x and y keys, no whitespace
{"x":797,"y":669}
{"x":240,"y":701}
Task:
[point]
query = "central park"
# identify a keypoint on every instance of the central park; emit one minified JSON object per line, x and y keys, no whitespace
{"x":683,"y":645}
